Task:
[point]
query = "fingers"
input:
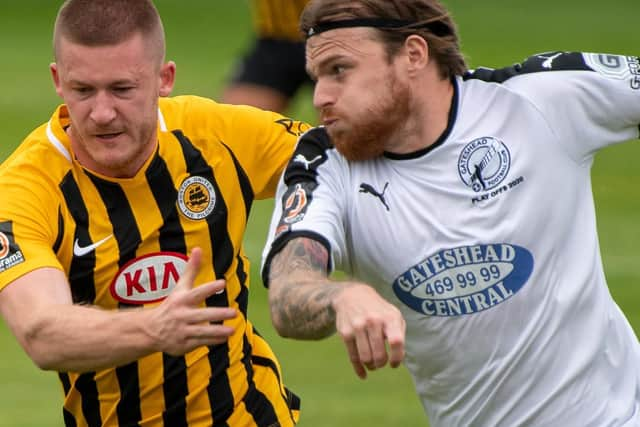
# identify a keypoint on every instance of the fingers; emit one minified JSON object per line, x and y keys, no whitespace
{"x":370,"y":343}
{"x":212,"y":315}
{"x":204,"y":291}
{"x":208,"y":334}
{"x":367,"y":348}
{"x":354,"y":357}
{"x":191,"y":271}
{"x":395,"y":338}
{"x":372,"y":329}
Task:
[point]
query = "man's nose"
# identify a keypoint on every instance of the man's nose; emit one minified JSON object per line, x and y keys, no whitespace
{"x":103,"y":110}
{"x":323,"y":94}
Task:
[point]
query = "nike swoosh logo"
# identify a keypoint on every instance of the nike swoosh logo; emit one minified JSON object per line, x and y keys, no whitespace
{"x":82,"y":251}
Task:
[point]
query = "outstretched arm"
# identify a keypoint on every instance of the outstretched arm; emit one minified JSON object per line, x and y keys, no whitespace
{"x":307,"y":304}
{"x":59,"y":335}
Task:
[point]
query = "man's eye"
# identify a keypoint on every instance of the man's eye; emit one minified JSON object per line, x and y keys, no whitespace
{"x":338,"y":69}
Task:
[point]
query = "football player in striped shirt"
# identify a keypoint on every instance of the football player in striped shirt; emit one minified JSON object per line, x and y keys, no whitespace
{"x":273,"y":70}
{"x":459,"y":204}
{"x":121,"y":228}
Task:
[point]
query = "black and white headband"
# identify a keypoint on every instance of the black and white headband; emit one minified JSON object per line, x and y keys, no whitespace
{"x":438,"y":28}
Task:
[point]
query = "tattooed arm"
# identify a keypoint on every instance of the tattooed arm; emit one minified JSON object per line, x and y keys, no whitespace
{"x":307,"y":304}
{"x":300,"y":292}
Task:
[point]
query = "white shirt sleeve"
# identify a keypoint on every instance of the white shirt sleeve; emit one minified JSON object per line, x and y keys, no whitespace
{"x":590,"y":106}
{"x":310,"y":201}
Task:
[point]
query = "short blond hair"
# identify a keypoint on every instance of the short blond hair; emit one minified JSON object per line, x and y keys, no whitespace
{"x":108,"y":22}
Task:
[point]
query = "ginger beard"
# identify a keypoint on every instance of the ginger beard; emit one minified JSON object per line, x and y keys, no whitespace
{"x":368,"y":133}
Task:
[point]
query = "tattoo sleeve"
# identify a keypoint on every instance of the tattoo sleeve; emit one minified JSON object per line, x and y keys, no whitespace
{"x":300,"y":293}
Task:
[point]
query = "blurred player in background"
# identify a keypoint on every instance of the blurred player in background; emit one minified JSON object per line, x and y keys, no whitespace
{"x":459,"y":204}
{"x":121,"y":228}
{"x":272,"y":71}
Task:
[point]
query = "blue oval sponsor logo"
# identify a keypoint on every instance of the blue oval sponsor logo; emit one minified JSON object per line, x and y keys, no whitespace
{"x":464,"y":280}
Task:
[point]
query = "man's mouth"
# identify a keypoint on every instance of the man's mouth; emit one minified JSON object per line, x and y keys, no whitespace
{"x":108,"y":135}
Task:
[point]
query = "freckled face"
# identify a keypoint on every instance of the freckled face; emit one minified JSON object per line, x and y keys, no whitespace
{"x":361,"y":99}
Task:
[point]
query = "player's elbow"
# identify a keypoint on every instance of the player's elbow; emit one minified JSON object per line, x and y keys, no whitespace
{"x":280,"y":324}
{"x":36,"y":345}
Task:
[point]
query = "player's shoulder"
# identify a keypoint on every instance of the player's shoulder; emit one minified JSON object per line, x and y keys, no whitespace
{"x":313,"y":149}
{"x":41,"y":151}
{"x":195,"y":115}
{"x":552,"y":62}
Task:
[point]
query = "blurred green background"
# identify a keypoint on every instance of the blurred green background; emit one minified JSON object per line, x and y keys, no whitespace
{"x":204,"y":37}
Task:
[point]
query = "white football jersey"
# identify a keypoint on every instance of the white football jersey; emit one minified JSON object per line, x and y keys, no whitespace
{"x":487,"y":243}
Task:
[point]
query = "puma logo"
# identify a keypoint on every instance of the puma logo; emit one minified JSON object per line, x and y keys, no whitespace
{"x":302,"y":159}
{"x":367,"y":188}
{"x":548,"y":60}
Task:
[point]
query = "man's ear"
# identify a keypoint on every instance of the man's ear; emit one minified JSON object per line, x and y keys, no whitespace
{"x":167,"y":78}
{"x":417,"y":51}
{"x":53,"y":67}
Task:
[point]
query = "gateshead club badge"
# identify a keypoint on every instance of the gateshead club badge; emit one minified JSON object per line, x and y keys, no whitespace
{"x":484,"y":163}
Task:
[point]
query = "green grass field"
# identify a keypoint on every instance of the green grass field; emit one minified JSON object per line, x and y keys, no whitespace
{"x":204,"y":37}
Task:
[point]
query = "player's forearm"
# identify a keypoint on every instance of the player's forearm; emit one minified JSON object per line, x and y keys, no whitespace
{"x":79,"y":339}
{"x":300,"y":294}
{"x":303,"y":309}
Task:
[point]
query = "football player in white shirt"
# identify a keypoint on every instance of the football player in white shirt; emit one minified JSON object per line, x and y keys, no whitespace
{"x":460,"y":203}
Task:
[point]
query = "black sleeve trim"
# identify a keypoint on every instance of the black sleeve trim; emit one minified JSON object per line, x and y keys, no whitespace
{"x":542,"y":62}
{"x":280,"y":242}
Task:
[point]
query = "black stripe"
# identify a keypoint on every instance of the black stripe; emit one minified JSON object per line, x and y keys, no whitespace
{"x":255,"y":401}
{"x":219,"y":388}
{"x":176,"y":389}
{"x":66,"y":383}
{"x":257,"y":404}
{"x":128,"y":407}
{"x":58,"y":242}
{"x":86,"y":386}
{"x":81,"y":278}
{"x":243,"y":180}
{"x":174,"y":386}
{"x":69,"y":420}
{"x":266,"y":362}
{"x":127,"y":234}
{"x":243,"y":296}
{"x":161,"y":185}
{"x":125,"y":228}
{"x":293,"y":401}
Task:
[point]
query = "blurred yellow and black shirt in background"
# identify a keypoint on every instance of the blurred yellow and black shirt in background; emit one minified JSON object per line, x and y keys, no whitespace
{"x":278,"y":19}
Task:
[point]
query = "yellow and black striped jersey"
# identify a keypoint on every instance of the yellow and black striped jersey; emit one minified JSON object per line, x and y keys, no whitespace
{"x":123,"y":244}
{"x":278,"y":19}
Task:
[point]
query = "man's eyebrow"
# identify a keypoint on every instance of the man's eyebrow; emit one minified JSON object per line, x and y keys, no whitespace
{"x":323,"y":63}
{"x":118,"y":82}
